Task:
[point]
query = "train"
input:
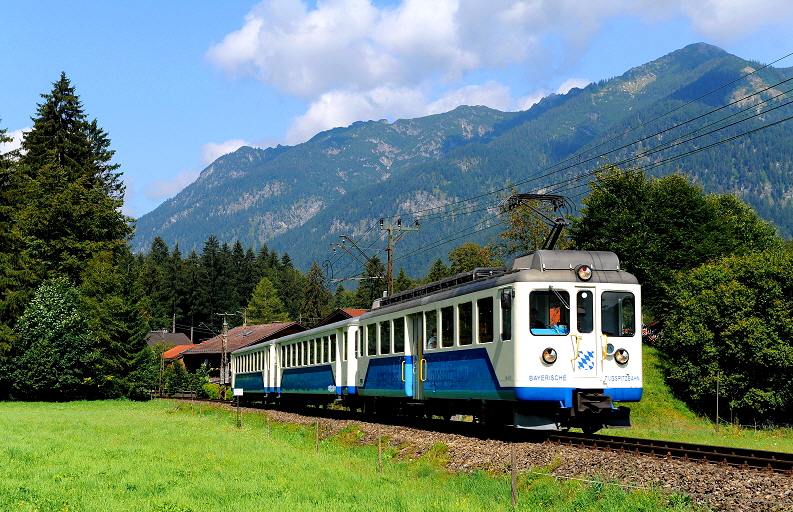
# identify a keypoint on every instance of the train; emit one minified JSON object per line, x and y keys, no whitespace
{"x":552,"y":342}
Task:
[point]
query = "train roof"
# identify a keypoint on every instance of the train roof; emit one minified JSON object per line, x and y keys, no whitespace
{"x":536,"y":266}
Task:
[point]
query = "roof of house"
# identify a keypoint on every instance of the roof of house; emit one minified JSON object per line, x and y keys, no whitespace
{"x":240,"y":337}
{"x":167,"y":338}
{"x":341,"y":314}
{"x":176,"y":352}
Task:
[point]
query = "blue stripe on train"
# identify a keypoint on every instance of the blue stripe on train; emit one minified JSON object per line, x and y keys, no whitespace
{"x":463,"y":374}
{"x":252,"y":382}
{"x":313,"y":379}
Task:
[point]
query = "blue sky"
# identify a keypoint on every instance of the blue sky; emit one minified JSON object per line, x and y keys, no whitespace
{"x":177,"y":84}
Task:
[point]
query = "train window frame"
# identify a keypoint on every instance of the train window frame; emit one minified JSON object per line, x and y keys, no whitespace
{"x":482,"y":309}
{"x":385,"y":344}
{"x":585,"y":310}
{"x":621,"y":312}
{"x":371,"y":339}
{"x":399,"y":325}
{"x":506,"y":326}
{"x":465,"y":321}
{"x":549,"y":303}
{"x":431,"y":329}
{"x":358,"y":339}
{"x":447,"y":326}
{"x":345,"y":345}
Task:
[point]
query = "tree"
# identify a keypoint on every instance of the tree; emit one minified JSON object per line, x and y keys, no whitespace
{"x":438,"y":271}
{"x":372,"y":285}
{"x":265,"y":306}
{"x":317,"y":299}
{"x":114,"y":301}
{"x":18,"y":272}
{"x":403,"y":282}
{"x":469,"y":256}
{"x":72,"y":192}
{"x":55,"y":357}
{"x":658,"y":226}
{"x":732,"y":321}
{"x":343,"y":298}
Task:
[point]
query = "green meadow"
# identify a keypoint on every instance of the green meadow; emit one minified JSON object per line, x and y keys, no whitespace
{"x":164,"y":456}
{"x":119,"y":455}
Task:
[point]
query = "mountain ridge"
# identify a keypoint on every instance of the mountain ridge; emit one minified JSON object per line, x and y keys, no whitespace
{"x":298,"y":198}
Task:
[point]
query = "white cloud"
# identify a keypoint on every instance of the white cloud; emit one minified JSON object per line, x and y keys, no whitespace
{"x":491,"y":94}
{"x":354,"y":60}
{"x":729,"y":20}
{"x":572,"y":83}
{"x":16,"y":143}
{"x":211,"y":151}
{"x":160,"y":189}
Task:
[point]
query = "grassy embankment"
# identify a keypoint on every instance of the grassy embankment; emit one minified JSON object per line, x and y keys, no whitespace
{"x":662,"y":416}
{"x":101,"y":456}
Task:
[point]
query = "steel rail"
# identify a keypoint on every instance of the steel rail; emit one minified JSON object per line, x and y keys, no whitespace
{"x":743,"y":458}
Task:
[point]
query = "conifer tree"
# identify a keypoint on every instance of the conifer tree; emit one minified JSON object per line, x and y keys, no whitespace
{"x":72,"y":192}
{"x":265,"y":306}
{"x":316,"y":302}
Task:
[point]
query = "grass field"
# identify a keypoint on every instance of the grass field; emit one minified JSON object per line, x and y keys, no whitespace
{"x":117,"y":455}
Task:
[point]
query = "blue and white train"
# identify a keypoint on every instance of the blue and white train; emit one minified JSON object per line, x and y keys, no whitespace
{"x":551,"y":343}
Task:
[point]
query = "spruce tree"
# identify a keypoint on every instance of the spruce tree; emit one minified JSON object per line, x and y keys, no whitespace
{"x":72,"y":192}
{"x":317,"y":299}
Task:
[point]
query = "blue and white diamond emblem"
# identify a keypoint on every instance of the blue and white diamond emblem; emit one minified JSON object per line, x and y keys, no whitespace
{"x":586,"y":360}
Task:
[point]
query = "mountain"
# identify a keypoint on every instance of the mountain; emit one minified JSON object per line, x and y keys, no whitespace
{"x":299,"y":199}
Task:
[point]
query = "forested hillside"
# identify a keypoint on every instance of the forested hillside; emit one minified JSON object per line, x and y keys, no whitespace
{"x":698,"y":110}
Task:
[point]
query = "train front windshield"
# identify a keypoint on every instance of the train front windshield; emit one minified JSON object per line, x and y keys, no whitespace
{"x":550,"y":313}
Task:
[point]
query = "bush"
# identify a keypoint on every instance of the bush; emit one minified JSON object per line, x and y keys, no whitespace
{"x":732,"y":321}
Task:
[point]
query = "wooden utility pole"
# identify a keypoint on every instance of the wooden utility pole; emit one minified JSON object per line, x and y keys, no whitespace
{"x":390,"y":250}
{"x":223,"y":363}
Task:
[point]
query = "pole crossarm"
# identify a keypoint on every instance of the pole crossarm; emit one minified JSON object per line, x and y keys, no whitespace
{"x":390,"y":250}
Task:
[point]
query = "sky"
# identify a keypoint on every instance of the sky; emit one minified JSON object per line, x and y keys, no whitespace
{"x":177,"y":84}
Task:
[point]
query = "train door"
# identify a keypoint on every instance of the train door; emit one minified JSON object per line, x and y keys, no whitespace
{"x":416,"y":375}
{"x":584,"y":338}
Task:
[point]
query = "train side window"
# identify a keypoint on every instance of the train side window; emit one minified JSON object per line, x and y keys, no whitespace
{"x":618,"y":314}
{"x":399,"y":335}
{"x":371,"y":339}
{"x":447,"y":326}
{"x":465,"y":312}
{"x":344,"y":346}
{"x":325,"y":349}
{"x":484,"y":317}
{"x":506,"y":313}
{"x":358,"y":338}
{"x":585,"y":309}
{"x":332,"y":346}
{"x":385,"y":337}
{"x":549,"y":312}
{"x":431,"y":319}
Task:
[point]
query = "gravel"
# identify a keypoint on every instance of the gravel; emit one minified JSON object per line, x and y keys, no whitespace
{"x":718,"y":487}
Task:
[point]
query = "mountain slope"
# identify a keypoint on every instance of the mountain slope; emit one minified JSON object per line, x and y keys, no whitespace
{"x":300,"y":199}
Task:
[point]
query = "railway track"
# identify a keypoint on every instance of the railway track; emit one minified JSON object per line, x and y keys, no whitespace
{"x":779,"y":462}
{"x":742,"y":458}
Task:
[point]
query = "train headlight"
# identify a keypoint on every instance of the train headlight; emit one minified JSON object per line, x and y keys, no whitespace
{"x":549,"y":355}
{"x":621,"y":356}
{"x":584,"y":272}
